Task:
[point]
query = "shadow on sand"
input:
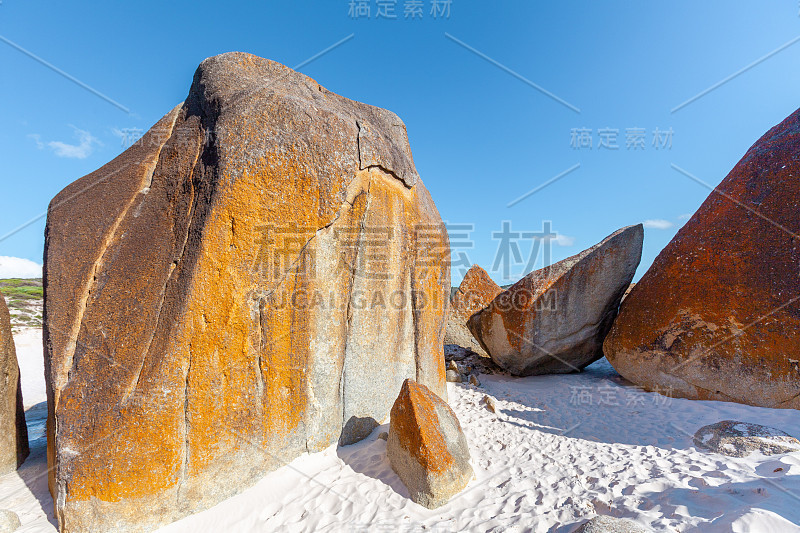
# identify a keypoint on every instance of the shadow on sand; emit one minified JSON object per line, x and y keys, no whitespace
{"x":34,"y":470}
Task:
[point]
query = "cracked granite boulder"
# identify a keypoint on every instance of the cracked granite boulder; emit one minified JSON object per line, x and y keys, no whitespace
{"x":13,"y":431}
{"x":254,"y":279}
{"x":717,"y":316}
{"x":554,"y":320}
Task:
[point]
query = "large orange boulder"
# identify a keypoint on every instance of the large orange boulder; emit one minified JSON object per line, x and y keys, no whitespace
{"x":13,"y":431}
{"x":717,"y":316}
{"x":554,"y":319}
{"x":426,"y":446}
{"x":251,"y":281}
{"x":476,"y":291}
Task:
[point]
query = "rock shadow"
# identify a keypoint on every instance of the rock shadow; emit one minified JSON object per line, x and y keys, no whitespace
{"x":34,"y":471}
{"x":368,"y":457}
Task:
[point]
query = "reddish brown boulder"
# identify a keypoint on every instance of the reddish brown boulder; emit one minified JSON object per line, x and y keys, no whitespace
{"x":426,"y":446}
{"x":476,"y":291}
{"x":13,"y":431}
{"x":252,"y":280}
{"x":554,"y":320}
{"x":717,"y":316}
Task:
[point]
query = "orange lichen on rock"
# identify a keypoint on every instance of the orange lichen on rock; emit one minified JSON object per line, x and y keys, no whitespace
{"x":717,"y":316}
{"x":249,"y":282}
{"x":427,"y":447}
{"x":476,"y":291}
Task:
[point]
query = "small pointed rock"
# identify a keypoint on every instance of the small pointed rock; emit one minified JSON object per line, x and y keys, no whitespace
{"x":427,"y":447}
{"x":453,"y":376}
{"x":490,"y":404}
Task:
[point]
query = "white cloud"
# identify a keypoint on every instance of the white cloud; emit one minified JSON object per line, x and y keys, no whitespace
{"x":17,"y":267}
{"x":564,"y":240}
{"x":559,"y":240}
{"x":37,"y":139}
{"x":658,"y":224}
{"x":81,"y":150}
{"x":685,"y":216}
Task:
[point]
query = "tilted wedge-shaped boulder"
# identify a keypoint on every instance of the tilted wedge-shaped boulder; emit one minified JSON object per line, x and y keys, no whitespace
{"x":717,"y":316}
{"x":254,"y":279}
{"x":476,"y":291}
{"x":554,"y":320}
{"x":426,"y":446}
{"x":13,"y":431}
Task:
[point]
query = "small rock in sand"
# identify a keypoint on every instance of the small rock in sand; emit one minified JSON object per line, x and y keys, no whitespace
{"x":383,"y":436}
{"x":608,"y":524}
{"x":9,"y":521}
{"x":452,"y":366}
{"x":453,"y":376}
{"x":740,"y":439}
{"x":473,"y":380}
{"x":490,"y":405}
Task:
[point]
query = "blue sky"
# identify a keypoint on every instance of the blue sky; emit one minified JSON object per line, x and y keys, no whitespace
{"x":482,"y":137}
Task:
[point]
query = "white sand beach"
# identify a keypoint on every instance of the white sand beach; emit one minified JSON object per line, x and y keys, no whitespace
{"x":559,"y":450}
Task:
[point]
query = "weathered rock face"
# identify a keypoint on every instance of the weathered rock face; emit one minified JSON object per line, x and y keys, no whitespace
{"x":253,"y":279}
{"x":717,"y":316}
{"x":476,"y":291}
{"x":13,"y":431}
{"x":555,"y":319}
{"x":426,"y":446}
{"x":740,"y":439}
